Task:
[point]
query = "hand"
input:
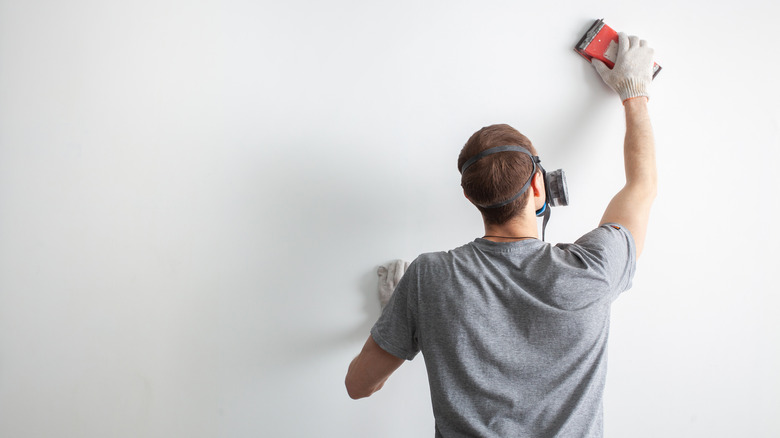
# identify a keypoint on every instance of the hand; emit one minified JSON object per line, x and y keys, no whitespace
{"x":389,"y":276}
{"x":633,"y":72}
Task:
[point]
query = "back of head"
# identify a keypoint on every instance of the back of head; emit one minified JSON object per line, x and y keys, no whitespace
{"x":496,"y":177}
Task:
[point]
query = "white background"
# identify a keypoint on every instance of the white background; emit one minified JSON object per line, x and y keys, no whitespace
{"x":194,"y":197}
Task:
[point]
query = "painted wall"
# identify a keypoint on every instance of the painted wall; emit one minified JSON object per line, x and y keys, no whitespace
{"x":194,"y":197}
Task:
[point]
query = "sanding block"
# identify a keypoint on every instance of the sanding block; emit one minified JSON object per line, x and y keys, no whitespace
{"x":601,"y":42}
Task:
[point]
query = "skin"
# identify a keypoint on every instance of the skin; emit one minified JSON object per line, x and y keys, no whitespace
{"x":630,"y":207}
{"x":369,"y":371}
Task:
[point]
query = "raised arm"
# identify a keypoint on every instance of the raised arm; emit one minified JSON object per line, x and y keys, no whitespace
{"x":631,"y":206}
{"x":631,"y":78}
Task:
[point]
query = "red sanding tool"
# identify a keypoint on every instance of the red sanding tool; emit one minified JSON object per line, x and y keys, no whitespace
{"x":601,"y":42}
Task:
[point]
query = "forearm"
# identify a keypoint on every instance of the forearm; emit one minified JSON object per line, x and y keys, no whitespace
{"x":369,"y":371}
{"x":639,"y":148}
{"x":358,"y":384}
{"x":631,"y":205}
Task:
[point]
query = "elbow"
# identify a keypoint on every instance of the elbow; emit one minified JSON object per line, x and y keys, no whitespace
{"x":352,"y":390}
{"x":651,"y":193}
{"x":354,"y":395}
{"x":652,"y":190}
{"x":355,"y":392}
{"x":358,"y":388}
{"x":649,"y":184}
{"x":642,"y":190}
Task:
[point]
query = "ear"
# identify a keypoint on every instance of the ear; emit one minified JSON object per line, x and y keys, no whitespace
{"x":537,"y":185}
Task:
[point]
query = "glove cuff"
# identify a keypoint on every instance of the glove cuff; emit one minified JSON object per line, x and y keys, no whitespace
{"x":633,"y":87}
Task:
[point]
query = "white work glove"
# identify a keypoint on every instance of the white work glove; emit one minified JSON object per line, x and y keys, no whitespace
{"x":633,"y":71}
{"x":389,"y":276}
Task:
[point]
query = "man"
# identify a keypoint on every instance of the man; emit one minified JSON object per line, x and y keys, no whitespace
{"x":514,"y":330}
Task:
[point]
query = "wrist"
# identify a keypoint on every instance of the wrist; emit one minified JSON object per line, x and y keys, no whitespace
{"x":636,"y":101}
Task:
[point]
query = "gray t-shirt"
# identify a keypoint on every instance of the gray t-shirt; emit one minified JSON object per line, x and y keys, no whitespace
{"x":514,"y":335}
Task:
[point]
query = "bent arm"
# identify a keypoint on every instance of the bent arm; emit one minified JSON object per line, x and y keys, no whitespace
{"x":369,"y":371}
{"x":631,"y":206}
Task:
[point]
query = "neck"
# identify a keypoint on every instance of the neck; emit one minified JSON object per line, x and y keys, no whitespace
{"x":514,"y":230}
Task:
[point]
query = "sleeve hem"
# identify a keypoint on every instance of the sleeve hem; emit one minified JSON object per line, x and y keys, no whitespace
{"x":389,"y":347}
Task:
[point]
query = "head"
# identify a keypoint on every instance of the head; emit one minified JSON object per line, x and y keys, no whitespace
{"x":500,"y":176}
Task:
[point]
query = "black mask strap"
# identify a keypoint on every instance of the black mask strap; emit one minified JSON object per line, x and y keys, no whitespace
{"x":545,"y":210}
{"x":495,"y":150}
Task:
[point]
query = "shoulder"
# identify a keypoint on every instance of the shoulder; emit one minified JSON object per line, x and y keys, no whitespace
{"x":606,"y":234}
{"x":608,"y":252}
{"x":609,"y":240}
{"x":440,"y":259}
{"x":605,"y":238}
{"x":441,"y":265}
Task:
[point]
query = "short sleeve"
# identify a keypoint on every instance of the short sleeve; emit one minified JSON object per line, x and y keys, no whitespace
{"x":611,"y":249}
{"x":396,"y":329}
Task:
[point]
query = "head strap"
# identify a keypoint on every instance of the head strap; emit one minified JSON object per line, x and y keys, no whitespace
{"x":494,"y":150}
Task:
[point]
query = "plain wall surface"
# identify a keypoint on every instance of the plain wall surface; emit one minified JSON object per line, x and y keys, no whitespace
{"x":195,"y":195}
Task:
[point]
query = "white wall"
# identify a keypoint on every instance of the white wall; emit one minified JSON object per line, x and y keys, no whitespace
{"x":194,"y":196}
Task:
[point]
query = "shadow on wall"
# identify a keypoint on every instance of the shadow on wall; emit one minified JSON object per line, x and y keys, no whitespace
{"x":324,"y":208}
{"x":371,"y":307}
{"x":302,"y":347}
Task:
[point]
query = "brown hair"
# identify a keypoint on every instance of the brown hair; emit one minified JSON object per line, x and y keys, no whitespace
{"x":497,"y":177}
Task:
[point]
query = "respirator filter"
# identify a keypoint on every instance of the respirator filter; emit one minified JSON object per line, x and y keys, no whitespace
{"x":557,"y":191}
